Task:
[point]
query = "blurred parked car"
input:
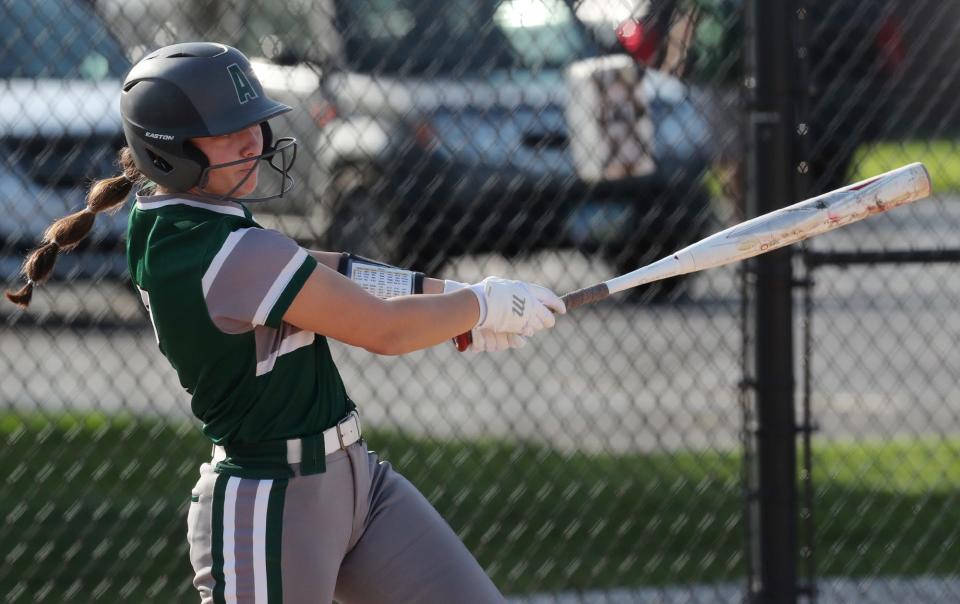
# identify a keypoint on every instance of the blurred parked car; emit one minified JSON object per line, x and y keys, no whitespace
{"x":856,"y":55}
{"x":60,"y":77}
{"x":444,"y":128}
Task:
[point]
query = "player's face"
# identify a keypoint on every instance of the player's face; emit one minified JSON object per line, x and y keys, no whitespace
{"x":227,"y":148}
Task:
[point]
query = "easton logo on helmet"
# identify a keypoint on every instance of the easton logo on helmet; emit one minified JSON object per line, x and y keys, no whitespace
{"x":163,"y":137}
{"x":245,"y":91}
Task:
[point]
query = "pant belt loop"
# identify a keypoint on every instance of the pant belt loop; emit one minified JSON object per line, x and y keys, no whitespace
{"x":294,"y":451}
{"x":313,"y":454}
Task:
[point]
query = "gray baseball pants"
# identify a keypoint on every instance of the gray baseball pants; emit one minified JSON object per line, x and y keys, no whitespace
{"x":358,"y":533}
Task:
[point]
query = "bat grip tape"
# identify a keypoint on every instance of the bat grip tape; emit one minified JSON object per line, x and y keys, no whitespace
{"x":587,"y":295}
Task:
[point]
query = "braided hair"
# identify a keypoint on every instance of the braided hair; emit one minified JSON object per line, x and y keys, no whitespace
{"x":105,"y":195}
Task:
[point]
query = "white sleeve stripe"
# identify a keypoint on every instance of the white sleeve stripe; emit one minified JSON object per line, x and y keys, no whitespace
{"x":217,"y":263}
{"x":263,"y":311}
{"x":292,"y":342}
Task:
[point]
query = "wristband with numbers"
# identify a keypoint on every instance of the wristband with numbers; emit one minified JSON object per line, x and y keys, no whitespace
{"x":381,"y":280}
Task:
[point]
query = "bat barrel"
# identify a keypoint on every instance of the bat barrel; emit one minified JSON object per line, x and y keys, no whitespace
{"x":787,"y":225}
{"x":810,"y":217}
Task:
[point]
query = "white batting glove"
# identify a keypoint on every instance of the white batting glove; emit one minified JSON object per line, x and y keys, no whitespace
{"x":548,"y":298}
{"x":515,"y":307}
{"x":451,"y":286}
{"x":485,"y":340}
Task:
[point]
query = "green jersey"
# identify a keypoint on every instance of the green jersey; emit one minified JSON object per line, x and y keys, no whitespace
{"x":216,"y":285}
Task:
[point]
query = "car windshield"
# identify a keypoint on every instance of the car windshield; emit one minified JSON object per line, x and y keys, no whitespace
{"x":420,"y":37}
{"x":60,"y":39}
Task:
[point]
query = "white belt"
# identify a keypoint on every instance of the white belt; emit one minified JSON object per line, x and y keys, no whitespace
{"x":341,"y":436}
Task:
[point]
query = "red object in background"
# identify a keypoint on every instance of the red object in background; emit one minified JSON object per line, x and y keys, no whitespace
{"x":426,"y":136}
{"x":639,"y":41}
{"x":322,"y":113}
{"x":889,"y":41}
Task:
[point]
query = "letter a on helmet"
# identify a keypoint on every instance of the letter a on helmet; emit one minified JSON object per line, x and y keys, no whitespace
{"x":245,"y":91}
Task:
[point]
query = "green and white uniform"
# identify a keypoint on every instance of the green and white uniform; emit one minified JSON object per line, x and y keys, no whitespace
{"x":263,"y":529}
{"x":217,"y":286}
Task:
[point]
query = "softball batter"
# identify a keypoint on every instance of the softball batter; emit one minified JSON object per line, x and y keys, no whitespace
{"x":292,"y":508}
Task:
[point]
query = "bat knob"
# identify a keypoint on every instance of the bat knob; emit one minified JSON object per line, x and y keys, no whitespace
{"x":463,"y":341}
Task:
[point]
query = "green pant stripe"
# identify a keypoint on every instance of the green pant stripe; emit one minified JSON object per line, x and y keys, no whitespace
{"x":274,"y":541}
{"x":219,"y":490}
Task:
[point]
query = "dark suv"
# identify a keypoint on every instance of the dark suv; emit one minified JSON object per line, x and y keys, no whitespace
{"x":460,"y":126}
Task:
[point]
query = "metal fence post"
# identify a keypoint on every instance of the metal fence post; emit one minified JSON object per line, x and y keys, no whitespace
{"x":771,"y":186}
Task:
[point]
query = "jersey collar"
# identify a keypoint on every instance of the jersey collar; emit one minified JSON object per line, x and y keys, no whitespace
{"x":154,"y":202}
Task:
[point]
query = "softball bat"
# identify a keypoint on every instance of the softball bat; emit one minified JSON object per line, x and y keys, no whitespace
{"x":768,"y":232}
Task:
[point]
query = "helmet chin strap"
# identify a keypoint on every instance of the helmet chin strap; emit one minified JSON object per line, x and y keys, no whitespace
{"x":286,"y":184}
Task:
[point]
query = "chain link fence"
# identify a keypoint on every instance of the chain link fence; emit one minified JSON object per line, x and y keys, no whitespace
{"x":552,"y":141}
{"x":890,"y":425}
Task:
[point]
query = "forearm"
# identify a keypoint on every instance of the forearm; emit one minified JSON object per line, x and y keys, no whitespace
{"x":432,"y":286}
{"x":331,"y":304}
{"x":418,"y":322}
{"x":394,"y":321}
{"x":411,"y":323}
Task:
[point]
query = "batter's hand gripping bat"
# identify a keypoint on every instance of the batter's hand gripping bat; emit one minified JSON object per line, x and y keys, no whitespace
{"x":768,"y":232}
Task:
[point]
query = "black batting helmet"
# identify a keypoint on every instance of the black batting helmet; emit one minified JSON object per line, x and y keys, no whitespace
{"x":192,"y":90}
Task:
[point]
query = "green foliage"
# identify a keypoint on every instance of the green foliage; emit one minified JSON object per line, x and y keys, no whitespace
{"x":941,"y":157}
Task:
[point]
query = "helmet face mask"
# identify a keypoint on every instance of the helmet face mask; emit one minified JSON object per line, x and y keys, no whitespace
{"x":279,"y":157}
{"x":194,"y":90}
